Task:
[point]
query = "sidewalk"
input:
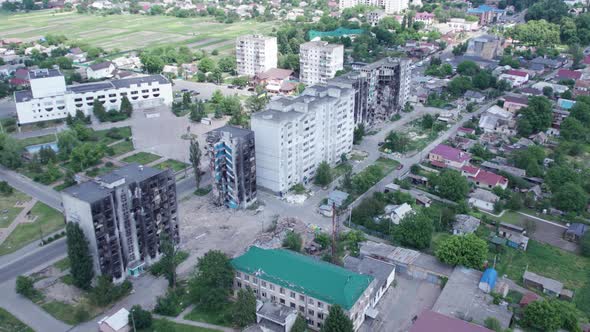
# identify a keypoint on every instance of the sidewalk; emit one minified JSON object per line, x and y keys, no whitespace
{"x":198,"y":324}
{"x":20,"y":218}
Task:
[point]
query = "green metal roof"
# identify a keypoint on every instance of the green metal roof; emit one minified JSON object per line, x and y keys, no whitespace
{"x":324,"y":281}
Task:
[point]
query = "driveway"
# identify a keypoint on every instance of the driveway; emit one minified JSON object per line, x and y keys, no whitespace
{"x":401,"y":303}
{"x":550,"y":232}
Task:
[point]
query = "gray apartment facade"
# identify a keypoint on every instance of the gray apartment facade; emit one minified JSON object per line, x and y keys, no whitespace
{"x":233,"y":166}
{"x":381,"y":89}
{"x":123,"y":215}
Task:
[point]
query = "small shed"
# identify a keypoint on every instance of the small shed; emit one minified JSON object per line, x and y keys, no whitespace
{"x":488,"y":280}
{"x":575,"y":231}
{"x":546,"y":285}
{"x":118,"y":322}
{"x":337,"y":197}
{"x":465,"y":224}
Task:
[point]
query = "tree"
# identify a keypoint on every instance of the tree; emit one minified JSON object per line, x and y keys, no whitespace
{"x":99,"y":111}
{"x":536,"y":33}
{"x":126,"y":106}
{"x":293,"y":241}
{"x":81,"y":265}
{"x":572,"y":129}
{"x":358,"y":134}
{"x":468,"y":68}
{"x":212,"y":282}
{"x":397,"y":142}
{"x":323,"y":175}
{"x":206,"y":65}
{"x":140,"y":318}
{"x":450,"y":184}
{"x":493,"y":324}
{"x":467,"y":250}
{"x":300,"y":324}
{"x":197,"y":111}
{"x":153,"y":64}
{"x":5,"y":189}
{"x":85,"y":155}
{"x":542,"y":315}
{"x":217,"y":97}
{"x":459,"y":85}
{"x":25,"y":286}
{"x":570,"y":197}
{"x":415,"y":230}
{"x":10,"y":151}
{"x":537,"y":116}
{"x":195,"y":158}
{"x":168,"y":260}
{"x":244,"y":310}
{"x":227,"y":64}
{"x":67,"y":140}
{"x":257,"y":102}
{"x":337,"y":321}
{"x":585,"y":244}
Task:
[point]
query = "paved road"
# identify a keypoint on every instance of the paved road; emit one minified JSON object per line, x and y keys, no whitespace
{"x":32,"y":259}
{"x":43,"y":193}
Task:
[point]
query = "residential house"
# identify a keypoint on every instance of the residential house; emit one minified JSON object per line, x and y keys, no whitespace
{"x":127,"y":62}
{"x":575,"y":231}
{"x":514,"y":103}
{"x":557,"y":88}
{"x":531,"y":92}
{"x":424,"y":17}
{"x":549,"y":63}
{"x":474,"y":96}
{"x":170,"y":70}
{"x":492,"y":166}
{"x":548,"y":286}
{"x":101,"y":70}
{"x":514,"y":235}
{"x":462,"y":131}
{"x":429,"y":321}
{"x":418,"y":180}
{"x":497,"y":120}
{"x":582,"y":88}
{"x":483,"y":199}
{"x":397,"y":212}
{"x":306,"y":284}
{"x":465,"y":224}
{"x":76,"y":55}
{"x":9,"y":69}
{"x":20,"y":78}
{"x":566,"y":74}
{"x":445,"y":156}
{"x":276,"y":80}
{"x":558,"y":117}
{"x":516,"y":78}
{"x":458,"y":25}
{"x":483,"y":178}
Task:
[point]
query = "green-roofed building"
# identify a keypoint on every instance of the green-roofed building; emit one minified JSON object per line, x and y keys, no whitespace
{"x":302,"y":282}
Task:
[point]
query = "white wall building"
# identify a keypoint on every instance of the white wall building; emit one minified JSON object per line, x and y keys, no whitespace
{"x":294,"y":135}
{"x":101,"y":70}
{"x":319,"y":61}
{"x":390,"y":6}
{"x":50,"y":98}
{"x":255,"y":54}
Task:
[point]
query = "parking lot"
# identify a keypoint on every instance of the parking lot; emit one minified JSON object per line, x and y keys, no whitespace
{"x":401,"y":304}
{"x":206,"y":90}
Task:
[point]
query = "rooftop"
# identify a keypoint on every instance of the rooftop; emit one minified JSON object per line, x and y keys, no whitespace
{"x":465,"y":223}
{"x":44,"y":73}
{"x":101,"y":65}
{"x":516,"y":100}
{"x":461,"y":298}
{"x":490,"y":178}
{"x":548,"y":283}
{"x":370,"y":266}
{"x":324,"y":281}
{"x":577,"y":229}
{"x":484,"y":195}
{"x":233,"y":131}
{"x":450,"y":153}
{"x":513,"y":72}
{"x":568,"y":74}
{"x":275,"y":74}
{"x":276,"y":312}
{"x":429,"y":321}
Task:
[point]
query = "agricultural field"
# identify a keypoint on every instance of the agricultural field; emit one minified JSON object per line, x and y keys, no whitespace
{"x":129,"y":32}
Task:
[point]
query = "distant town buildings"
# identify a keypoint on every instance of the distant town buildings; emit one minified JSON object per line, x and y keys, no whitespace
{"x":295,"y":134}
{"x":50,"y":99}
{"x":380,"y":89}
{"x":390,"y":6}
{"x":255,"y":54}
{"x":124,"y":215}
{"x":486,"y":46}
{"x":319,"y":61}
{"x":233,"y":166}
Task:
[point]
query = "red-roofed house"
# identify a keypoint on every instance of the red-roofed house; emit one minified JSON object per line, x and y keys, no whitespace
{"x":276,"y":80}
{"x":528,"y":298}
{"x":426,"y":17}
{"x":447,"y":156}
{"x":515,"y":77}
{"x":20,"y":78}
{"x":566,"y":74}
{"x":513,"y":103}
{"x":489,"y":180}
{"x":582,"y":88}
{"x":430,"y":321}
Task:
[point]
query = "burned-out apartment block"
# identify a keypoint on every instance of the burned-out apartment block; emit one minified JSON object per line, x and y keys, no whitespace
{"x":381,"y":89}
{"x":124,"y":214}
{"x":233,"y":166}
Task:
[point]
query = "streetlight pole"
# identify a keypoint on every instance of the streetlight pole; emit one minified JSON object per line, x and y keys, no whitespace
{"x":133,"y":320}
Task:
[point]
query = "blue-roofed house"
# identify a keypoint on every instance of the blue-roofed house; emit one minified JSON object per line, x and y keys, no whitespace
{"x":488,"y":280}
{"x":487,"y":14}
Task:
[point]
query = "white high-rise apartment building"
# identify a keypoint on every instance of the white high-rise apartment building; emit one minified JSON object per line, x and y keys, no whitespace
{"x":390,"y":6}
{"x":319,"y":61}
{"x":294,"y":135}
{"x":255,"y":54}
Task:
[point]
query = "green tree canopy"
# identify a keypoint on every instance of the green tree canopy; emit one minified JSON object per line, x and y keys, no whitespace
{"x":323,"y":175}
{"x":570,"y":197}
{"x":415,"y":230}
{"x":467,"y":250}
{"x":212,"y":282}
{"x":81,"y":265}
{"x":450,"y":184}
{"x":244,"y":310}
{"x":337,"y":321}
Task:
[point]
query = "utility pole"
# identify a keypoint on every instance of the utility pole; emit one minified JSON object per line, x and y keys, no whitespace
{"x":133,"y":320}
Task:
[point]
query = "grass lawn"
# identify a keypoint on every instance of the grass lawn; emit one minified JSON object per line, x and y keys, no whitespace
{"x":172,"y":163}
{"x":221,"y":317}
{"x":129,"y":32}
{"x":122,"y":147}
{"x":167,"y":325}
{"x":63,"y":264}
{"x":10,"y":323}
{"x":141,"y":158}
{"x":437,"y":239}
{"x":38,"y":140}
{"x":62,"y":311}
{"x":338,"y":171}
{"x":124,"y":132}
{"x":48,"y":221}
{"x":7,"y":209}
{"x":572,"y":270}
{"x":387,"y":165}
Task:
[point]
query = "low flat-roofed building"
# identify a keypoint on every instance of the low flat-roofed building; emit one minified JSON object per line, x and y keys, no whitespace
{"x":465,"y":224}
{"x":462,"y":299}
{"x":383,"y":272}
{"x":548,"y":286}
{"x":429,"y":321}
